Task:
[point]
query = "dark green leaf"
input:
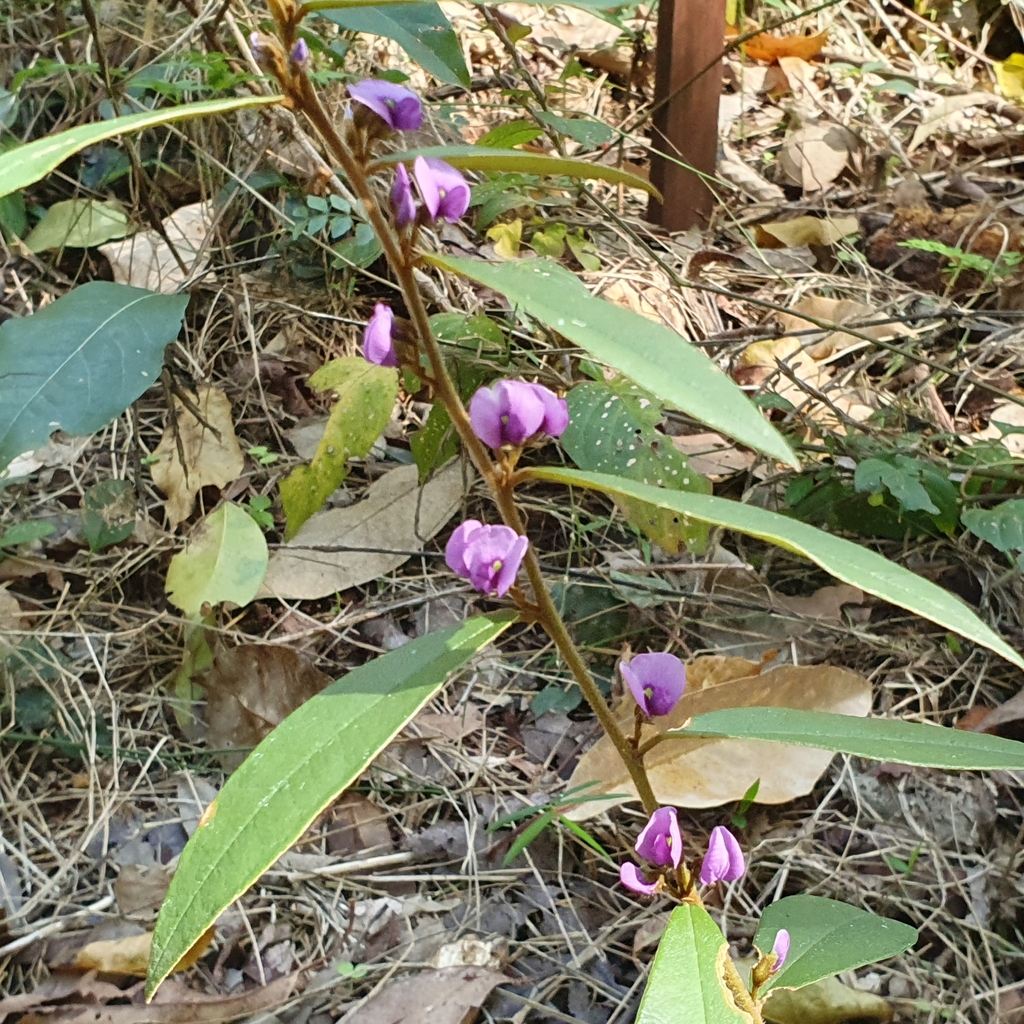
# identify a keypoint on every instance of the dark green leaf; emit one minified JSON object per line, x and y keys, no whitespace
{"x":109,"y":514}
{"x":587,"y":131}
{"x":25,"y":533}
{"x":1002,"y":526}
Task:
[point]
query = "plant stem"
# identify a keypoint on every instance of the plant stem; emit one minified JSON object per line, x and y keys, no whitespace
{"x":402,"y":267}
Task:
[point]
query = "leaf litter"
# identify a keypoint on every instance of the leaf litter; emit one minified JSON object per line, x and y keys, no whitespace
{"x":483,"y":754}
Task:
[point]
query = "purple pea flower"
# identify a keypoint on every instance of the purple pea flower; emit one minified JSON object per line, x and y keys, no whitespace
{"x":630,"y":877}
{"x":378,"y":338}
{"x":444,"y":190}
{"x":300,"y":53}
{"x":400,"y":109}
{"x":724,"y":860}
{"x":656,"y":680}
{"x":259,"y":51}
{"x":512,"y":411}
{"x":403,"y":204}
{"x":780,"y":949}
{"x":488,"y":556}
{"x":661,"y":842}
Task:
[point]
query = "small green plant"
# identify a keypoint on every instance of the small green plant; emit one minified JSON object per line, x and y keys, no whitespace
{"x":352,"y":971}
{"x":959,"y":260}
{"x":258,"y":506}
{"x":904,"y":867}
{"x":260,"y":453}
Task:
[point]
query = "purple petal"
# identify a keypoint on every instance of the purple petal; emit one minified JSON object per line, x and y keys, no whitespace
{"x":486,"y":555}
{"x":444,"y":190}
{"x":510,"y":567}
{"x":780,"y":949}
{"x":399,"y":108}
{"x":522,"y":411}
{"x":403,"y":204}
{"x":636,"y":687}
{"x":485,"y":416}
{"x":378,"y":345}
{"x":661,"y":842}
{"x":630,"y":877}
{"x":661,"y":678}
{"x":724,"y":859}
{"x":556,"y":411}
{"x":300,"y":53}
{"x":429,"y":190}
{"x":455,"y":551}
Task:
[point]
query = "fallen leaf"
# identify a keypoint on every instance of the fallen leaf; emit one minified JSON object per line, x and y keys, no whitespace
{"x":1007,"y":414}
{"x":937,"y":115}
{"x":506,"y":238}
{"x":713,"y":456}
{"x":1010,"y":76}
{"x":78,"y":224}
{"x":707,"y":773}
{"x":130,"y":954}
{"x":650,"y":931}
{"x":468,"y":951}
{"x":789,"y":234}
{"x":990,"y":719}
{"x":734,"y":169}
{"x":396,"y":515}
{"x":252,"y":688}
{"x":814,"y":156}
{"x":828,"y":1001}
{"x":358,"y":827}
{"x":453,"y":726}
{"x":450,"y":995}
{"x":146,"y":260}
{"x":209,"y":460}
{"x":141,"y":888}
{"x":769,"y":46}
{"x":10,"y":614}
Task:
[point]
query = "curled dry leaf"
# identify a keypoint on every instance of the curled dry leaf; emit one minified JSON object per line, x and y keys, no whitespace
{"x":790,"y":234}
{"x":769,"y":46}
{"x":252,"y":688}
{"x":209,"y":460}
{"x":146,"y":260}
{"x":705,"y":773}
{"x":345,"y":547}
{"x":814,"y":156}
{"x":450,"y":995}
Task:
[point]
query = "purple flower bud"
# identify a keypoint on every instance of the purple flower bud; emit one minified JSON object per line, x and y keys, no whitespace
{"x":300,"y":53}
{"x":780,"y":949}
{"x":656,"y":680}
{"x":400,"y":109}
{"x":512,"y":411}
{"x":378,"y":338}
{"x":444,"y":190}
{"x":661,"y":842}
{"x":488,"y":556}
{"x":630,"y":877}
{"x":724,"y":860}
{"x":403,"y":204}
{"x":256,"y":45}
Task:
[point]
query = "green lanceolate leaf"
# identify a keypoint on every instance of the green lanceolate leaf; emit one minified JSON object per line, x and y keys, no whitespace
{"x":421,"y":29}
{"x":81,"y":361}
{"x":846,"y":561}
{"x":827,"y":938}
{"x":484,"y":158}
{"x":881,"y":739}
{"x":25,"y":165}
{"x":315,"y":753}
{"x":652,"y":356}
{"x":687,"y":978}
{"x":366,"y":395}
{"x":225,"y":560}
{"x":612,"y":430}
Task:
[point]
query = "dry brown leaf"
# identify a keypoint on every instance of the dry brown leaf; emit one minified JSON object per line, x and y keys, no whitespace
{"x":706,"y":773}
{"x":146,"y":260}
{"x":252,"y":688}
{"x":713,"y":456}
{"x":1012,"y":415}
{"x":814,"y":156}
{"x":734,"y":169}
{"x":209,"y":461}
{"x":937,"y":115}
{"x":828,"y":1001}
{"x":768,"y":46}
{"x":789,"y":234}
{"x":130,"y":954}
{"x":141,"y":888}
{"x":358,"y":826}
{"x":658,"y":301}
{"x":446,"y":996}
{"x":10,"y":613}
{"x":435,"y":725}
{"x":395,"y":514}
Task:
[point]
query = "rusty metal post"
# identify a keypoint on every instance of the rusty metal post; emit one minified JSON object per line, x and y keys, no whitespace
{"x":690,"y":39}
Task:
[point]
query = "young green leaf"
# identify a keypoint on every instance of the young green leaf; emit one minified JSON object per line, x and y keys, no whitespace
{"x":314,"y":754}
{"x":846,"y":561}
{"x":25,"y":165}
{"x":652,"y":356}
{"x":366,"y":395}
{"x":484,"y":158}
{"x":827,"y":938}
{"x":78,"y":224}
{"x":81,"y":361}
{"x":687,"y":979}
{"x":225,"y":560}
{"x":880,"y":739}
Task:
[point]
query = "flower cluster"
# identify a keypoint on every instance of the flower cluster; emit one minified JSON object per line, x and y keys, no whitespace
{"x":488,"y":556}
{"x":657,"y":681}
{"x":511,"y":412}
{"x":661,"y":844}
